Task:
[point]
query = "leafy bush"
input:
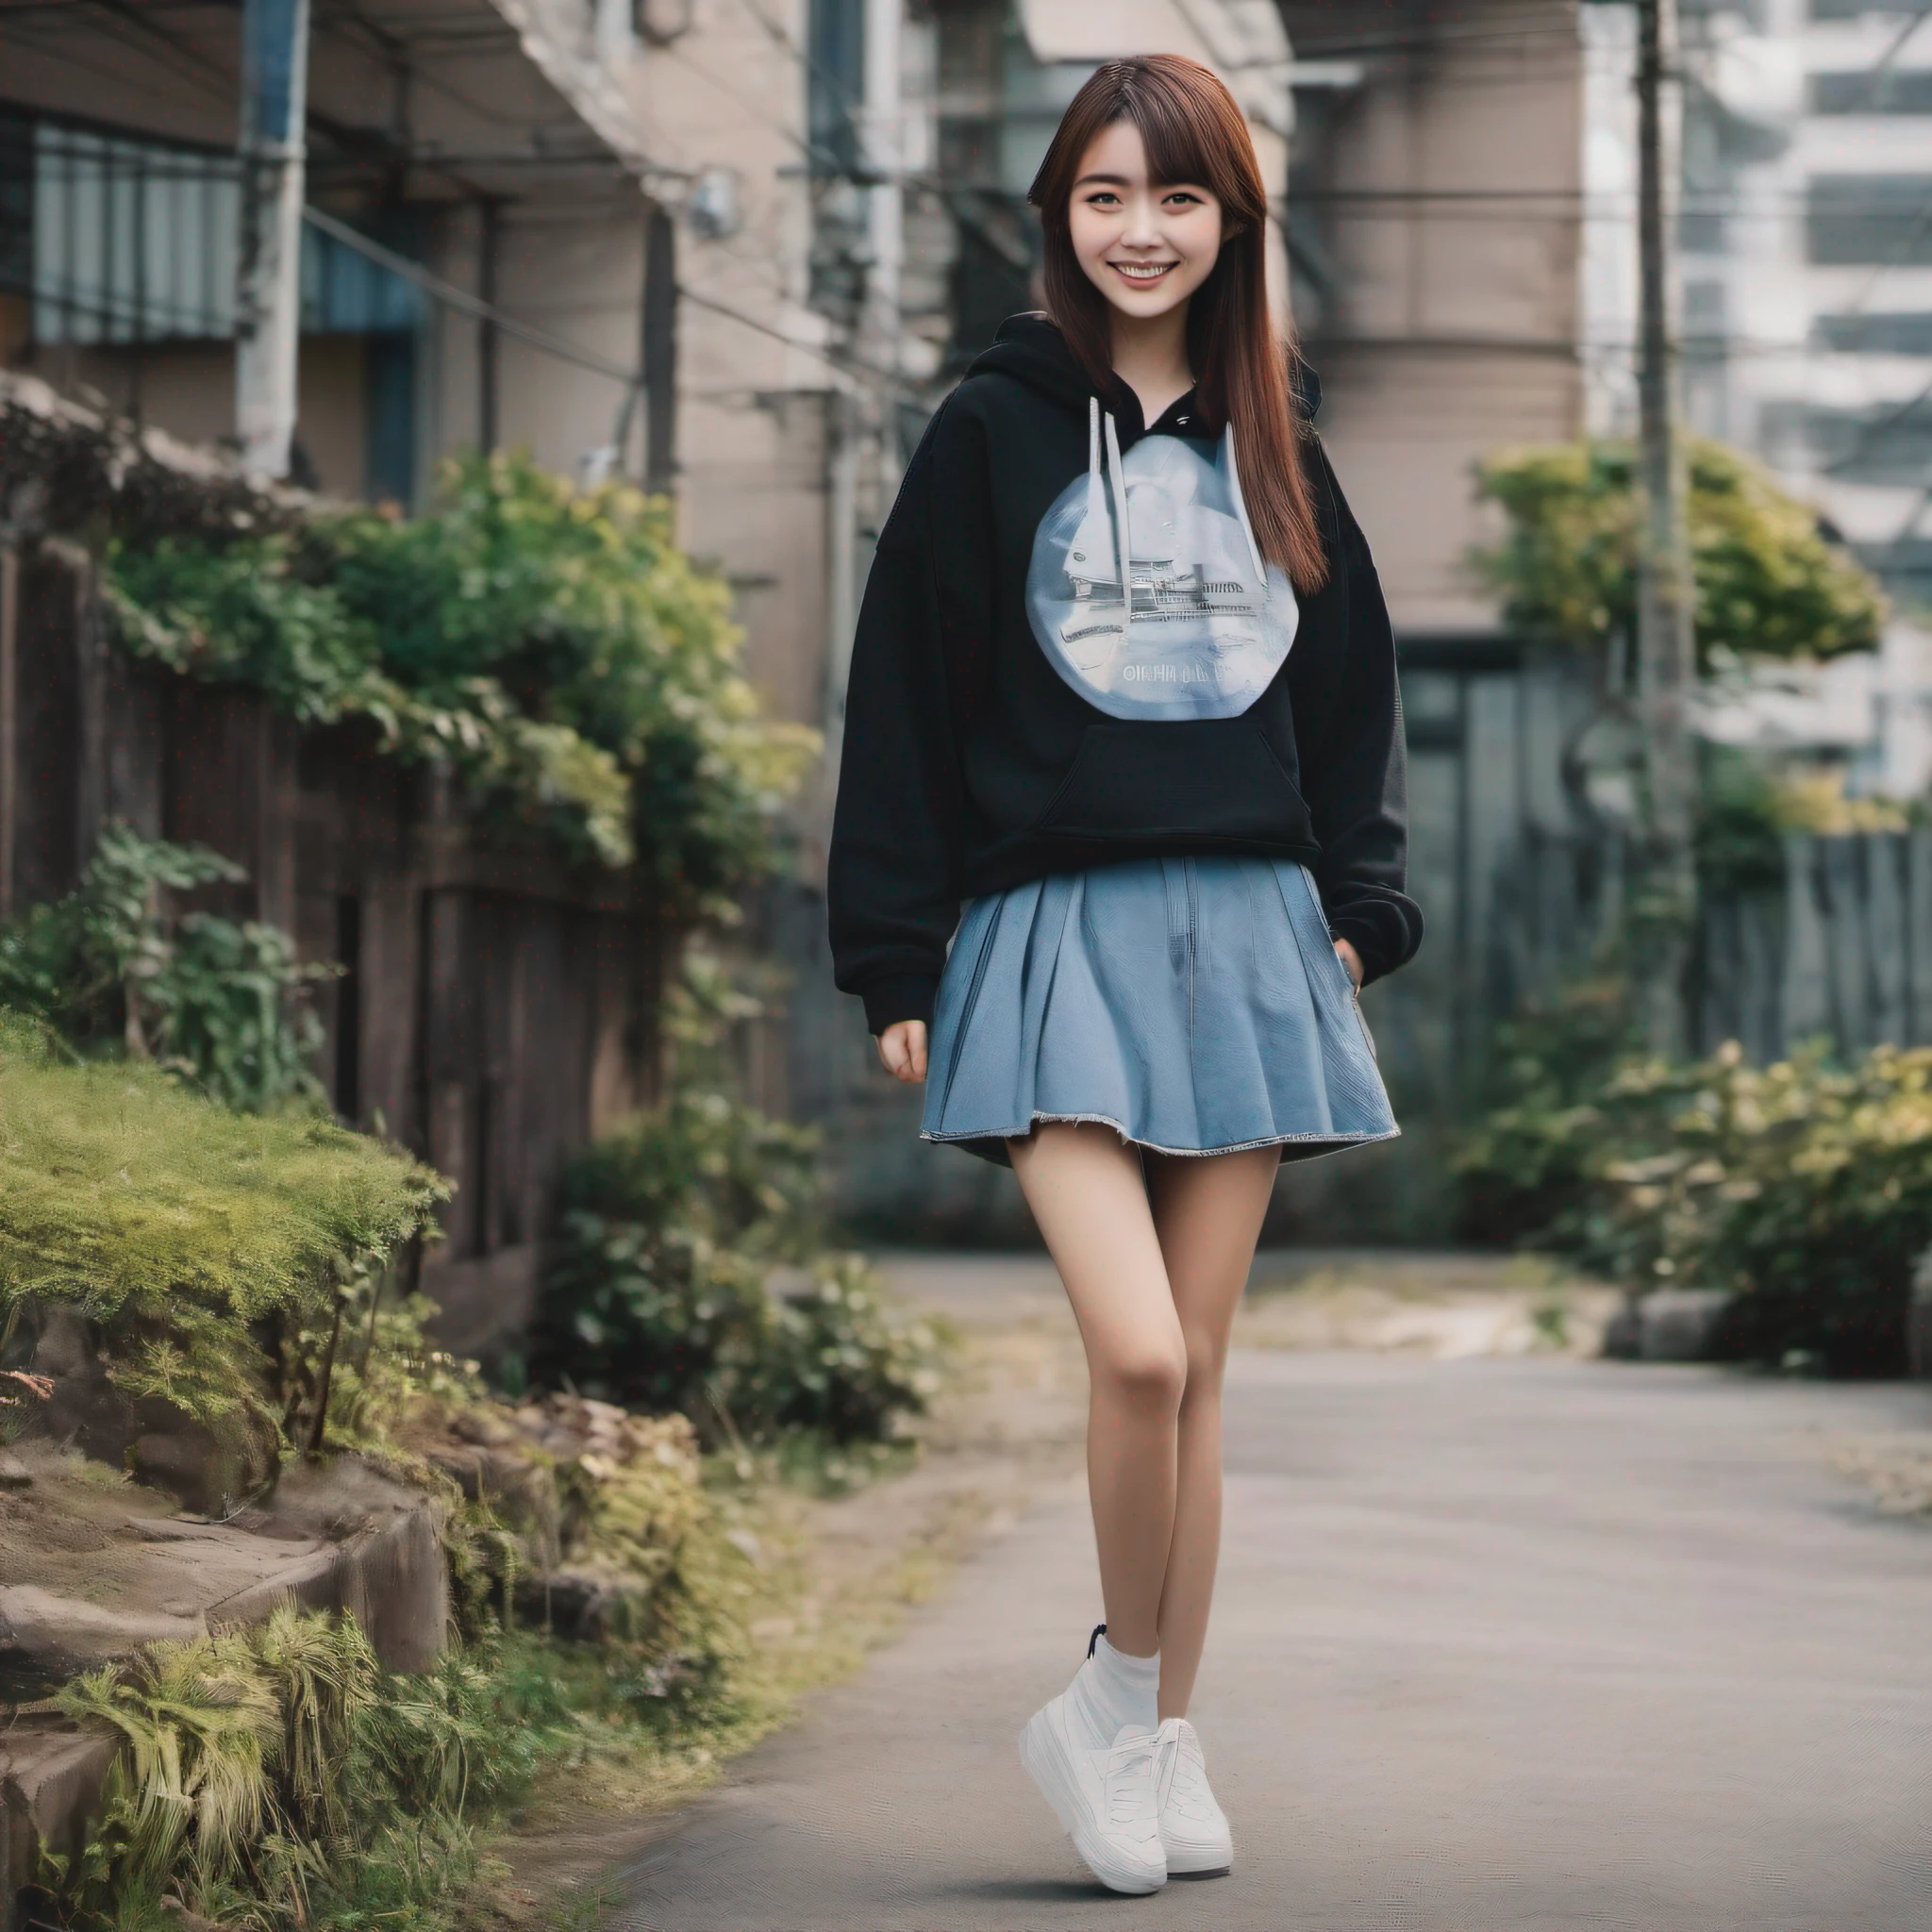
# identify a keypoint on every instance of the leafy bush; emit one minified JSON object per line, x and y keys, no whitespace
{"x":656,"y":1287}
{"x":553,"y":647}
{"x":1768,"y":584}
{"x":222,"y":1002}
{"x":1523,"y":1172}
{"x":1802,"y":1190}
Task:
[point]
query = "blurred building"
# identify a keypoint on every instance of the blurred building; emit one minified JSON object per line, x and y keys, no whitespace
{"x":1806,"y":265}
{"x":739,"y":249}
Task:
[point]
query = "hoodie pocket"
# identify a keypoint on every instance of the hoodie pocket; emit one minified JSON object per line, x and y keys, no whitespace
{"x":1213,"y":781}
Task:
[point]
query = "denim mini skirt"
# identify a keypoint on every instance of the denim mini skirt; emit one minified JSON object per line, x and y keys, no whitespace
{"x":1197,"y":1006}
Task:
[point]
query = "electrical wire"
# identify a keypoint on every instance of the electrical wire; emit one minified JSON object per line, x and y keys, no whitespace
{"x":450,"y":297}
{"x":806,"y":58}
{"x":811,"y":152}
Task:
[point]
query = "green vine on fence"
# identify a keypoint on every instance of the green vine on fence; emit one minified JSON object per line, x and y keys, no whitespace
{"x":551,"y":647}
{"x":120,"y":965}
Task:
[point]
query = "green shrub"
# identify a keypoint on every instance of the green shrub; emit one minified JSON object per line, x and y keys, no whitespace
{"x":552,"y":646}
{"x":1803,"y":1189}
{"x":835,"y":1361}
{"x":1524,"y":1171}
{"x":655,"y":1291}
{"x":113,"y":967}
{"x":1770,"y":585}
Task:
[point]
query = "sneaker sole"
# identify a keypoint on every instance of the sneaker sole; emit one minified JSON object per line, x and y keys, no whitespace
{"x":1220,"y":1871}
{"x":1046,"y":1763}
{"x":1198,"y":1860}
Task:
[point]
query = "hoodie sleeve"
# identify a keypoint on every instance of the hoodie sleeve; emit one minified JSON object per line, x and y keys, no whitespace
{"x":1355,"y":768}
{"x":893,"y":874}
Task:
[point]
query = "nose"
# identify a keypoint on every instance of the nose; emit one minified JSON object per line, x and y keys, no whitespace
{"x":1142,"y":230}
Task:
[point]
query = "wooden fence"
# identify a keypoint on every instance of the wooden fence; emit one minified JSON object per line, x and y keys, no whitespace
{"x":496,"y":1008}
{"x":1844,"y":952}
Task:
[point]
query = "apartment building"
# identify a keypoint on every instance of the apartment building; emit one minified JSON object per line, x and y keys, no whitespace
{"x":1805,"y":238}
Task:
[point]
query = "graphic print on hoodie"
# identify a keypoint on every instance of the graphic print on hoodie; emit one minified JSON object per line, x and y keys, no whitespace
{"x":1207,"y":622}
{"x":1009,"y":713}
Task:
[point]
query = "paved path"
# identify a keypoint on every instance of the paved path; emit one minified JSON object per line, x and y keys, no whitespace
{"x":1500,"y":1644}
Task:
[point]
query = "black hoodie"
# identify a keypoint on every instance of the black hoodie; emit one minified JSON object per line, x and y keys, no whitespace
{"x":998,"y":729}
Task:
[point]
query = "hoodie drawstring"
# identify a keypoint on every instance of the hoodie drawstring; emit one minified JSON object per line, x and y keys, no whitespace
{"x":1122,"y":530}
{"x":1240,"y":510}
{"x":1096,"y":488}
{"x":1112,"y":470}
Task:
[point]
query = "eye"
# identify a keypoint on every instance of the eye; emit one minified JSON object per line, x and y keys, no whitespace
{"x":1103,"y":197}
{"x":1185,"y":197}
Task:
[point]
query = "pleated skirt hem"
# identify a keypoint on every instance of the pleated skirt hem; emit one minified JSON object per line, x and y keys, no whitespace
{"x":1194,"y":1005}
{"x":978,"y":1140}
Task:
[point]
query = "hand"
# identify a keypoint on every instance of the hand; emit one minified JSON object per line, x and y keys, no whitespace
{"x":902,"y":1047}
{"x":1352,"y":959}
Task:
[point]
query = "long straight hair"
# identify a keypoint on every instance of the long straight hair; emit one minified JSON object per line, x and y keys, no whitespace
{"x":1194,"y":132}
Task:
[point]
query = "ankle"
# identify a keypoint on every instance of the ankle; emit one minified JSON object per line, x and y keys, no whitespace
{"x":1126,"y":1688}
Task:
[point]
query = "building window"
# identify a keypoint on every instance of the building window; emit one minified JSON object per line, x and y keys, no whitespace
{"x":1857,"y":219}
{"x":1866,"y":91}
{"x":1884,"y":443}
{"x":1896,"y":334}
{"x":837,"y":88}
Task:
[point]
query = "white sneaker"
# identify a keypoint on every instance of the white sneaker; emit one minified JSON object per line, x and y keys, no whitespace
{"x":1194,"y":1828}
{"x":1104,"y":1799}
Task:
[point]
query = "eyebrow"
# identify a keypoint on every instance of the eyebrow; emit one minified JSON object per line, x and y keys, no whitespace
{"x":1123,"y":181}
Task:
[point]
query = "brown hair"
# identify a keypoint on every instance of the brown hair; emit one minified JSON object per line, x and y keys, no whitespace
{"x":1195,"y":132}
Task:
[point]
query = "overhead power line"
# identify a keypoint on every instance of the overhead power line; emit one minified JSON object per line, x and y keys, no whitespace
{"x":450,"y":297}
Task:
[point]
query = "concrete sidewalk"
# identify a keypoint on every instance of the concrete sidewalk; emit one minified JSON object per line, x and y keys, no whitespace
{"x":1538,"y":1644}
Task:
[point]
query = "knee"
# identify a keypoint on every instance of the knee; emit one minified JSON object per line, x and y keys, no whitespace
{"x":1207,"y":1364}
{"x":1151,"y":1379}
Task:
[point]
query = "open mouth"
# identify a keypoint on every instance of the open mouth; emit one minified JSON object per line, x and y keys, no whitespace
{"x":1143,"y":271}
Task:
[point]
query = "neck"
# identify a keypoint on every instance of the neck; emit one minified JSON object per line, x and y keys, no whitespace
{"x":1150,"y":356}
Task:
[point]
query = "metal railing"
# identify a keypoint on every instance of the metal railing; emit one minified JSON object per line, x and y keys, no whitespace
{"x":117,"y":240}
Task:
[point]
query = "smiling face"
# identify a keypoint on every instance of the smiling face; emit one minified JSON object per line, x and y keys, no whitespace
{"x":1146,"y":246}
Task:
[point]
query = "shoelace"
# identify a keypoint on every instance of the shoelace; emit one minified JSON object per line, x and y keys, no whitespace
{"x":1128,"y":1780}
{"x":1187,"y":1784}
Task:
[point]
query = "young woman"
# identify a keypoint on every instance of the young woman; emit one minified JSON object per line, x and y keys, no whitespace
{"x":1123,"y":682}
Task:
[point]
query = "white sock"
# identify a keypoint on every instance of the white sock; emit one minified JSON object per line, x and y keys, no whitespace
{"x":1112,"y":1688}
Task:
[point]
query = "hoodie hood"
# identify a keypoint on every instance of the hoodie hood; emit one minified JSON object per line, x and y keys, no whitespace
{"x":1031,"y":349}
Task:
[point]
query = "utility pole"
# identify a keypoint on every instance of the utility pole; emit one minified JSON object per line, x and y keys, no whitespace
{"x":882,"y":154}
{"x":1666,"y":896}
{"x":267,"y":282}
{"x":864,"y":467}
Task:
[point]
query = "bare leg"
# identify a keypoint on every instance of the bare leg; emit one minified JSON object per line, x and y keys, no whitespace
{"x":1087,"y":1194}
{"x":1208,"y":1213}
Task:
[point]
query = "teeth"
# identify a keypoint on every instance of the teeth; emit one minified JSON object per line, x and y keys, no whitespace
{"x":1148,"y":273}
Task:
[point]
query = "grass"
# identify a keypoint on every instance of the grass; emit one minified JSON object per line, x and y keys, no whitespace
{"x":276,"y":1779}
{"x":802,"y":1630}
